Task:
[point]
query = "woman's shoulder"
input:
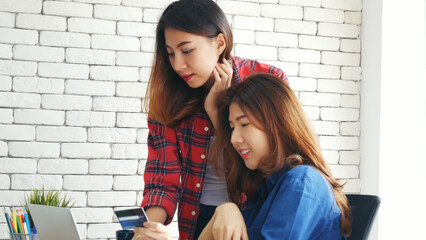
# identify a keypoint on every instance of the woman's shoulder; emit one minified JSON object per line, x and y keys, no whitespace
{"x":309,"y":182}
{"x":308,"y":178}
{"x":251,"y":64}
{"x":245,"y":67}
{"x":303,"y":172}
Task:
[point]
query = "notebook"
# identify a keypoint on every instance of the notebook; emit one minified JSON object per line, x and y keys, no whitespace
{"x":54,"y":223}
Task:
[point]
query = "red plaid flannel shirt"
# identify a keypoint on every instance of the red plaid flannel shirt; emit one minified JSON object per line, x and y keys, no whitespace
{"x":176,"y":165}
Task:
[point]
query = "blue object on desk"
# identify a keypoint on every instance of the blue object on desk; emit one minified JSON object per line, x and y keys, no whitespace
{"x":124,"y":234}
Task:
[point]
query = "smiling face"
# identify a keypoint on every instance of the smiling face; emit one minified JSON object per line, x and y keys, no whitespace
{"x":251,"y":142}
{"x":193,"y":57}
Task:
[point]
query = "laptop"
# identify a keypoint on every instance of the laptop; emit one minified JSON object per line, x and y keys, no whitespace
{"x":53,"y":223}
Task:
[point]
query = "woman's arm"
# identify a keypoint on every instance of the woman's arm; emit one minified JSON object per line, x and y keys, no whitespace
{"x":162,"y":172}
{"x":223,"y":78}
{"x":156,"y":214}
{"x":154,"y":229}
{"x":227,"y":223}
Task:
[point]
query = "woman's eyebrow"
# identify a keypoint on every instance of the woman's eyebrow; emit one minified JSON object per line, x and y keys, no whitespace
{"x":238,"y":118}
{"x":180,"y":44}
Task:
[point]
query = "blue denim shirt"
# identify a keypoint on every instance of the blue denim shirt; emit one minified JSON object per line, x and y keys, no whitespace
{"x":293,"y":204}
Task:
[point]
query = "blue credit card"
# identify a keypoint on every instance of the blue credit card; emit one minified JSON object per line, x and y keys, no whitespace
{"x":131,"y":218}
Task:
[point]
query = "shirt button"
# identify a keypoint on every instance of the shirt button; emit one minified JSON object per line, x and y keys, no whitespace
{"x":206,"y":129}
{"x":193,"y":213}
{"x":198,"y":185}
{"x":203,"y":156}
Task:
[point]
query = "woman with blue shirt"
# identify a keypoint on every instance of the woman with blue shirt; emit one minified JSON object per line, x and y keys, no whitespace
{"x":279,"y":183}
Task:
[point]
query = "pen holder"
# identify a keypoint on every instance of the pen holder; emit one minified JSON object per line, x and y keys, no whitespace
{"x":22,"y":236}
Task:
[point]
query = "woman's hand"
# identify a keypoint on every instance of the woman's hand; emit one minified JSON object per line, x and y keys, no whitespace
{"x":152,"y":231}
{"x":227,"y":223}
{"x":223,"y":79}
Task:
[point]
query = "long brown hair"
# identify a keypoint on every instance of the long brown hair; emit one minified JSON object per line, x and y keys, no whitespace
{"x":292,"y":139}
{"x":170,"y":99}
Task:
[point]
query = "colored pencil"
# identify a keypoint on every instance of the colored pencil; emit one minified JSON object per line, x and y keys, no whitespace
{"x":20,"y":222}
{"x":8,"y":220}
{"x":24,"y":224}
{"x":27,"y":221}
{"x":14,"y":220}
{"x":11,"y":224}
{"x":19,"y":227}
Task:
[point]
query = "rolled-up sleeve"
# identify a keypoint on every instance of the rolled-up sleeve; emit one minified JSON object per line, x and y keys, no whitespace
{"x":162,"y":171}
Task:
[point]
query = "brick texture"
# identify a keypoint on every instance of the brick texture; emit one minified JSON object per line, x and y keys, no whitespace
{"x":73,"y":76}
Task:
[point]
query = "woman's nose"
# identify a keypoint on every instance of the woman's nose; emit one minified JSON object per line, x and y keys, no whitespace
{"x":236,"y":137}
{"x":179,"y":63}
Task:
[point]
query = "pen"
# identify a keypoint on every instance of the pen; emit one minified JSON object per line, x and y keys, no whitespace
{"x":8,"y":220}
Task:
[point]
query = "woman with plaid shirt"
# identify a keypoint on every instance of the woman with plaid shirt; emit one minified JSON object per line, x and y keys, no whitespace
{"x":192,"y":65}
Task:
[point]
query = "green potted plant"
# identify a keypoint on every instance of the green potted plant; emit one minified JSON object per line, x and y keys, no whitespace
{"x":49,"y":198}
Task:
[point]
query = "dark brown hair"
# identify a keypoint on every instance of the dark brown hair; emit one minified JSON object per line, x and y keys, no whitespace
{"x":170,"y":99}
{"x":292,"y":140}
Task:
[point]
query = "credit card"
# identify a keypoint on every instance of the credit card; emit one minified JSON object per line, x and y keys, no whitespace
{"x":131,"y":218}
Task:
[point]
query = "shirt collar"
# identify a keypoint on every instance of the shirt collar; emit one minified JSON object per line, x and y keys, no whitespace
{"x":269,"y":183}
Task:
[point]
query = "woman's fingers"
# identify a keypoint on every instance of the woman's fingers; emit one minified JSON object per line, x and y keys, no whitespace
{"x":228,"y":234}
{"x":152,"y":231}
{"x":223,"y":74}
{"x":139,"y":233}
{"x":223,"y":77}
{"x":157,"y":231}
{"x":227,"y":68}
{"x":217,"y":83}
{"x":216,"y":75}
{"x":215,"y":234}
{"x":155,"y":226}
{"x":221,"y":235}
{"x":244,"y":235}
{"x":236,"y":236}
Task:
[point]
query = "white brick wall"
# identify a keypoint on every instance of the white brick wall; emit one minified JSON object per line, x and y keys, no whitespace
{"x":89,"y":56}
{"x":63,"y":166}
{"x":5,"y":51}
{"x":64,"y":39}
{"x":41,"y":22}
{"x":38,"y":85}
{"x":7,"y":19}
{"x":73,"y":76}
{"x":86,"y":25}
{"x":67,"y":9}
{"x":18,"y":36}
{"x":35,"y":53}
{"x":116,"y":167}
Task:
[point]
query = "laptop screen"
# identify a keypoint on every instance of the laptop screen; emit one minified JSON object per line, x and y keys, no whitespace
{"x":53,"y":223}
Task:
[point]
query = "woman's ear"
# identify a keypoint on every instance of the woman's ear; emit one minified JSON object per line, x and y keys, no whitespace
{"x":221,"y":43}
